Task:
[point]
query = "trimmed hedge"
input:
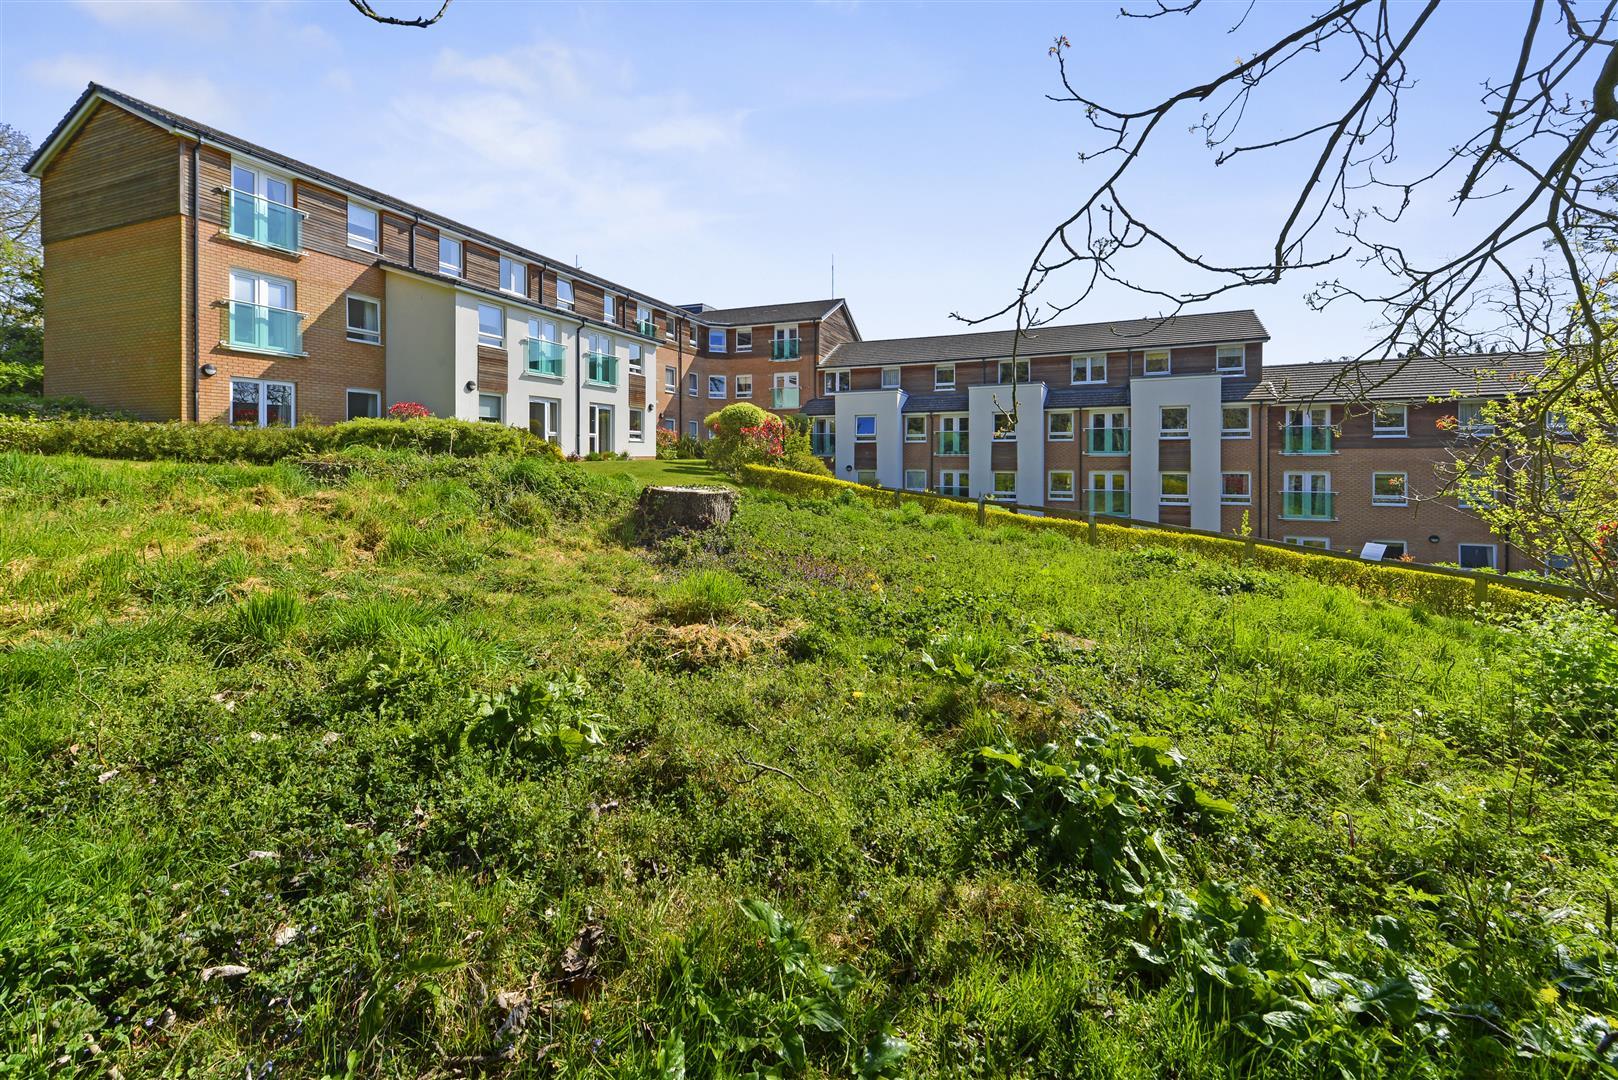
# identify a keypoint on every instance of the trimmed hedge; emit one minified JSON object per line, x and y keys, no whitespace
{"x":1403,"y":584}
{"x":205,"y":443}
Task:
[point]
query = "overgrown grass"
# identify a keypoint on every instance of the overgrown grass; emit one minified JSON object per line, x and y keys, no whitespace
{"x":464,"y":783}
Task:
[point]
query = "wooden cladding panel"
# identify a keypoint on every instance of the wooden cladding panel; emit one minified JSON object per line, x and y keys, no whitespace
{"x":1174,"y":454}
{"x":117,"y":170}
{"x":491,"y":369}
{"x":213,"y":183}
{"x":587,"y":300}
{"x":482,"y":265}
{"x":426,"y":249}
{"x":325,"y":228}
{"x":395,"y":238}
{"x":637,"y":391}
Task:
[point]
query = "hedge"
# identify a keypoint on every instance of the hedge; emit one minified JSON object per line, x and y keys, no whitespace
{"x":1438,"y":592}
{"x":180,"y":441}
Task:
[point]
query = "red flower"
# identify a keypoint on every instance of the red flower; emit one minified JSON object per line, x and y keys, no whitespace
{"x":407,"y":410}
{"x":1446,"y":423}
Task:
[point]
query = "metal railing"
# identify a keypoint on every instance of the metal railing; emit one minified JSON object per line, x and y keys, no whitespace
{"x":1108,"y":503}
{"x":1305,"y":439}
{"x":646,"y":328}
{"x":263,"y":221}
{"x":545,"y":357}
{"x":1308,"y":505}
{"x":601,"y":368}
{"x":784,"y":397}
{"x":784,"y":349}
{"x":264,"y":328}
{"x":954,"y":442}
{"x":823,"y":445}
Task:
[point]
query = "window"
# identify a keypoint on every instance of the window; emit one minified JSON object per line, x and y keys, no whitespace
{"x":716,"y":341}
{"x":744,"y":386}
{"x":837,"y":381}
{"x":564,"y":294}
{"x":364,"y":403}
{"x":865,"y":429}
{"x":362,"y":232}
{"x":1471,"y":421}
{"x":1392,"y":549}
{"x":513,"y":276}
{"x":1005,"y":487}
{"x":866,"y":476}
{"x":671,"y":380}
{"x":1231,"y":359}
{"x":744,"y":341}
{"x":1556,"y":423}
{"x":692,"y":429}
{"x":952,"y":435}
{"x":1005,"y":428}
{"x":691,"y":334}
{"x":261,"y":314}
{"x":1174,"y":489}
{"x":258,"y":403}
{"x":637,"y":425}
{"x":609,"y":307}
{"x":916,"y":428}
{"x":637,"y":362}
{"x":668,"y":423}
{"x":716,"y":386}
{"x":1319,"y":542}
{"x":944,"y":377}
{"x":261,"y":210}
{"x":1469,"y":487}
{"x":491,"y":325}
{"x":1235,"y":488}
{"x":953,"y":482}
{"x":784,"y":344}
{"x":1390,"y":422}
{"x":545,"y":419}
{"x":1388,"y":489}
{"x":1477,"y":556}
{"x":1089,"y":369}
{"x":491,"y":408}
{"x":364,"y":320}
{"x":1059,"y":426}
{"x":1175,"y":422}
{"x":915,"y":479}
{"x":1156,"y":362}
{"x":1059,"y":486}
{"x":890,"y":378}
{"x":449,"y":256}
{"x":691,"y":384}
{"x":668,"y":327}
{"x":1008,"y":375}
{"x":1236,"y":422}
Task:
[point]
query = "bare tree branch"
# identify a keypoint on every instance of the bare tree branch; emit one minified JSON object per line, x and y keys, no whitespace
{"x":364,"y":8}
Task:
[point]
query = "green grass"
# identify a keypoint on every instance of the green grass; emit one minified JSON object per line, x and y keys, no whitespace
{"x":469,"y":782}
{"x":658,"y":471}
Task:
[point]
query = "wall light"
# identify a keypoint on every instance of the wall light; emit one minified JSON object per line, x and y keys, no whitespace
{"x":208,"y":370}
{"x":471,"y":385}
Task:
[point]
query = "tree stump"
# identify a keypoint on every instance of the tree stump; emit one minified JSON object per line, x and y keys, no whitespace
{"x":670,"y":511}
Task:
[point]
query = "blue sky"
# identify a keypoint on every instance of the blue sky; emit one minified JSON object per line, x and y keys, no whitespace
{"x":727,"y":152}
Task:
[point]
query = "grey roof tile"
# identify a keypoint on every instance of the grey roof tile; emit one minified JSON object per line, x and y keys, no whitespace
{"x":757,"y":314}
{"x":1410,"y":379}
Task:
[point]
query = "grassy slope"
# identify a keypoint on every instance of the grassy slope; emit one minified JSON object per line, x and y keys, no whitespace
{"x":162,"y":721}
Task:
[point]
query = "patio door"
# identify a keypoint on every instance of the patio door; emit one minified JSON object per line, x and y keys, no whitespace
{"x":601,"y":429}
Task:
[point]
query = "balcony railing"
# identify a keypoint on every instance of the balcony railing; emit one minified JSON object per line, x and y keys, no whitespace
{"x":601,"y":368}
{"x":954,"y":491}
{"x":545,"y":357}
{"x":1110,"y":503}
{"x":823,"y":445}
{"x":784,"y":397}
{"x":953,"y":442}
{"x":1308,"y":505}
{"x":261,"y":221}
{"x":1305,"y":439}
{"x":264,"y":328}
{"x":1114,"y":440}
{"x":784,"y":349}
{"x":646,"y":328}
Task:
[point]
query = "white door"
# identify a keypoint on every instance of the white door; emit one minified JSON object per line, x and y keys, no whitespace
{"x":601,"y":429}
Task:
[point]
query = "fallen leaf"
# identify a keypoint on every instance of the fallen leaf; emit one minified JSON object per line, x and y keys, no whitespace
{"x":224,"y":971}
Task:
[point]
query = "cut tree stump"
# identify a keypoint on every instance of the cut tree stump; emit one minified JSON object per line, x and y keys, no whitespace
{"x":669,"y":511}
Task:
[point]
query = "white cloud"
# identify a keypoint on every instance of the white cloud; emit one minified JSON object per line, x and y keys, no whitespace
{"x":140,"y":13}
{"x":194,"y":95}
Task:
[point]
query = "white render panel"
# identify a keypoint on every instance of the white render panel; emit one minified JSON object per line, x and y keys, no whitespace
{"x":419,"y":339}
{"x":1200,"y":394}
{"x":887,"y":406}
{"x":984,"y":401}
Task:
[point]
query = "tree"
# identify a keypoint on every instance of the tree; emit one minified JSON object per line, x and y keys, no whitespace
{"x":365,"y":8}
{"x":22,"y":313}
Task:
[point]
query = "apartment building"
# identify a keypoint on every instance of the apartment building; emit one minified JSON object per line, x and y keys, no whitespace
{"x":191,"y":274}
{"x":1169,"y":420}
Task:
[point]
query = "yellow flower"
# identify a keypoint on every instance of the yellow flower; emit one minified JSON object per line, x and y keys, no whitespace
{"x":1259,"y":894}
{"x":1548,"y":995}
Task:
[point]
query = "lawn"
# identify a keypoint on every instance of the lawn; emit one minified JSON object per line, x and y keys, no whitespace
{"x":656,"y":471}
{"x":430,"y":769}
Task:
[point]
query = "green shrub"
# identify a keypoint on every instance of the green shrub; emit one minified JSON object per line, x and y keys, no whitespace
{"x":268,"y":618}
{"x":22,"y":378}
{"x":1569,"y":669}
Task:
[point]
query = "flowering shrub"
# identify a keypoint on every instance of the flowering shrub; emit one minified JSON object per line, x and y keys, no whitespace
{"x":408,"y":410}
{"x":745,"y":434}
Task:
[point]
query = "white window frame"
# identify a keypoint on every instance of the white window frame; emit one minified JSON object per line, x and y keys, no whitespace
{"x":1494,"y":556}
{"x":609,"y":307}
{"x":1404,"y":549}
{"x":744,"y":387}
{"x":722,"y":383}
{"x":914,"y":437}
{"x":552,"y":409}
{"x":954,"y":482}
{"x":374,"y":394}
{"x":671,"y":379}
{"x":866,"y":477}
{"x":482,"y":336}
{"x":264,"y":399}
{"x":375,"y":243}
{"x":456,"y":269}
{"x":1052,"y":434}
{"x":630,"y":417}
{"x":723,"y":342}
{"x":1402,"y":431}
{"x":1166,"y":432}
{"x":1227,"y":499}
{"x":1402,"y":499}
{"x":859,"y":438}
{"x":1023,"y":367}
{"x":512,"y":267}
{"x":360,"y":334}
{"x":998,"y":434}
{"x":693,"y":429}
{"x":997,"y":495}
{"x":939,"y":382}
{"x":1244,"y":432}
{"x":500,"y":400}
{"x":1146,"y":362}
{"x":1165,"y":499}
{"x":693,"y":384}
{"x":636,"y":358}
{"x":1050,"y":487}
{"x":917,"y":485}
{"x":1222,"y":351}
{"x":1321,"y":543}
{"x":890,"y":378}
{"x":838,"y":382}
{"x":1476,"y":427}
{"x":565,"y":296}
{"x":744,"y":340}
{"x":1089,"y":361}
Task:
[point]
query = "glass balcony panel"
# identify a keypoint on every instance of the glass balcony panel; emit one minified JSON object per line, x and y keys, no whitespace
{"x":273,"y":224}
{"x":1114,"y":440}
{"x":546,"y":357}
{"x":784,"y":397}
{"x":784,"y":349}
{"x":1305,"y":439}
{"x":1308,"y":505}
{"x":259,"y":326}
{"x":953,"y":442}
{"x":602,"y":368}
{"x":1109,"y":503}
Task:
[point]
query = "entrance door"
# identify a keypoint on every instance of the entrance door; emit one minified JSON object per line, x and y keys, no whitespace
{"x":601,"y":429}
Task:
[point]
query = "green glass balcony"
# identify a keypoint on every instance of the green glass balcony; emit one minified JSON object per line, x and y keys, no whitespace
{"x":784,"y":349}
{"x":953,"y":442}
{"x":264,"y":328}
{"x":1108,"y":503}
{"x":545,"y":357}
{"x":1114,"y":440}
{"x":646,"y":328}
{"x":823,"y":444}
{"x":1308,"y":505}
{"x":1305,"y":439}
{"x":258,"y":220}
{"x":784,"y":397}
{"x":601,"y":368}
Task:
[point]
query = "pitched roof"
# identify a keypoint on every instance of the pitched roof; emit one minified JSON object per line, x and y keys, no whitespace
{"x":801,"y":311}
{"x":1177,"y":330}
{"x":1409,"y":379}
